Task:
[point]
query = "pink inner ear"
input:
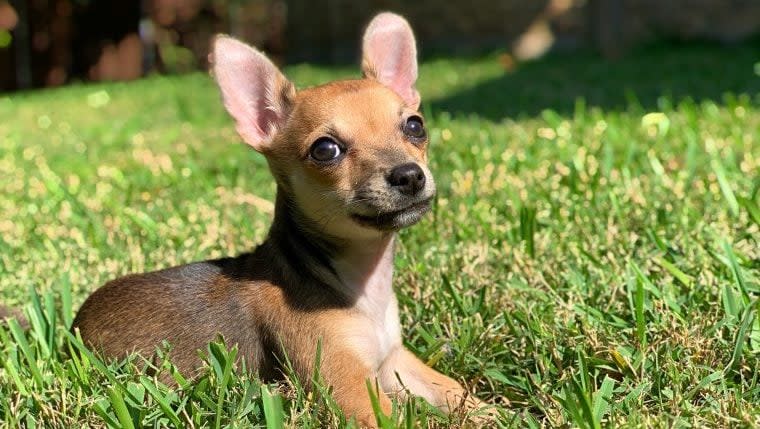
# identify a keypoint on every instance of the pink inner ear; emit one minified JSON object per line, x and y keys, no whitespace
{"x":390,"y":52}
{"x":249,"y":83}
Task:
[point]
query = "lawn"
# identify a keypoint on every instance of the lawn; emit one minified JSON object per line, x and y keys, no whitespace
{"x":592,"y":259}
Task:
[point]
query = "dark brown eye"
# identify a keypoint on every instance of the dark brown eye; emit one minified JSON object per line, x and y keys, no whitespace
{"x":325,"y":149}
{"x":413,"y":128}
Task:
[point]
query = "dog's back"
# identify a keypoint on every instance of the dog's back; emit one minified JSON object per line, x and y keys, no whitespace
{"x":187,"y":306}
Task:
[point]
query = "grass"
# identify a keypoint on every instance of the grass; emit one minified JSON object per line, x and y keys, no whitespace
{"x":592,"y":259}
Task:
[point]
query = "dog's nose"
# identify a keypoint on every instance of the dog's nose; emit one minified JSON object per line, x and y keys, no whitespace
{"x":409,"y":178}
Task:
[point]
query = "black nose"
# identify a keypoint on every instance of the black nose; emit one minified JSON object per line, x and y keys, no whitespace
{"x":409,"y":179}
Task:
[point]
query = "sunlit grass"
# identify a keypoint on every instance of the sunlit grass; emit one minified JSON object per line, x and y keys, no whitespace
{"x":592,"y":259}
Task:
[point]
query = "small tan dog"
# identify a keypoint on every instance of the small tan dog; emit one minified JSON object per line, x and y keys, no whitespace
{"x":349,"y":158}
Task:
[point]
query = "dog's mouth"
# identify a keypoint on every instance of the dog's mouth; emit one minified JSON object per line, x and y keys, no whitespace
{"x":396,"y":219}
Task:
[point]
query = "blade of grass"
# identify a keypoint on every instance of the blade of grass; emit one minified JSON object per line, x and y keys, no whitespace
{"x":741,"y":336}
{"x":11,"y":366}
{"x":725,"y":187}
{"x":18,"y":334}
{"x":637,"y":296}
{"x":383,"y":421}
{"x":66,"y":307}
{"x":733,"y":265}
{"x":684,"y":278}
{"x":273,"y":412}
{"x":120,"y":408}
{"x":162,"y":402}
{"x":602,"y":398}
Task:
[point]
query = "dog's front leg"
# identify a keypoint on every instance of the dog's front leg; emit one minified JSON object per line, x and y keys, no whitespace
{"x":403,"y":372}
{"x":348,"y":379}
{"x":346,"y":374}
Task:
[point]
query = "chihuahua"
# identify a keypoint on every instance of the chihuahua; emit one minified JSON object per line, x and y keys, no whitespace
{"x":349,"y":159}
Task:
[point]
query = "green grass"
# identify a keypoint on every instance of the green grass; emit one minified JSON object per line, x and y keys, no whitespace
{"x":592,"y":260}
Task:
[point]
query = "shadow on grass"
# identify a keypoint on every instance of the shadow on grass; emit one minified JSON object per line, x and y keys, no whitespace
{"x":699,"y":71}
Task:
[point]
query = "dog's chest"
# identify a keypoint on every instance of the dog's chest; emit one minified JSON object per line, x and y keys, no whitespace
{"x":374,"y":330}
{"x":383,"y":328}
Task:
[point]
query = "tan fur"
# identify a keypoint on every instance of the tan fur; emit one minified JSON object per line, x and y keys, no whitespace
{"x":320,"y":277}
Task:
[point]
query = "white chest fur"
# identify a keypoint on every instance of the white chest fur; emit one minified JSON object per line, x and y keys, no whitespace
{"x":381,"y":331}
{"x":366,"y":275}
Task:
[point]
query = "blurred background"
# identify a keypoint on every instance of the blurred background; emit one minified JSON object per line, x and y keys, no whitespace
{"x":55,"y":42}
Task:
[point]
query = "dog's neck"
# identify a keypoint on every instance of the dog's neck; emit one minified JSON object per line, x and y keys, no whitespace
{"x":365,"y":271}
{"x":357,"y":269}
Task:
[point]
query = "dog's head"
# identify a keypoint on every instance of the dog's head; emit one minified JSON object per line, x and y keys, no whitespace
{"x":350,"y":155}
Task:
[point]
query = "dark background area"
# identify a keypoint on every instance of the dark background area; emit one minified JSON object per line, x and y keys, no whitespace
{"x":644,"y":79}
{"x":54,"y":42}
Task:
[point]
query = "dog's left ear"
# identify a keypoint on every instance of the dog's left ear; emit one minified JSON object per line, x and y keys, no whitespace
{"x":390,"y":56}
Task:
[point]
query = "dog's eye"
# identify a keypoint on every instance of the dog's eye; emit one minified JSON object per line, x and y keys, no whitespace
{"x":325,"y":149}
{"x":414,"y":128}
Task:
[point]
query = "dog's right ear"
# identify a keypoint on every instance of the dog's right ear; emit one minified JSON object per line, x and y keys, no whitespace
{"x":255,"y":93}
